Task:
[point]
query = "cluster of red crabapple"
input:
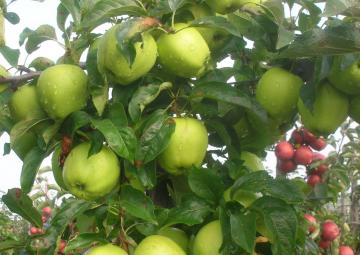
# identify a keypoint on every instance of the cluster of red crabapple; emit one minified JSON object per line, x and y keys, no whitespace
{"x":302,"y":149}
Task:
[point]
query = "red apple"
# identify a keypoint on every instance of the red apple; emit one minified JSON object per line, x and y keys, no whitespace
{"x":62,"y":246}
{"x":318,"y":156}
{"x":303,"y":155}
{"x":345,"y":250}
{"x":308,"y":136}
{"x":44,"y":219}
{"x":312,"y":222}
{"x":284,"y":150}
{"x":318,"y":144}
{"x":321,"y":169}
{"x":323,"y":244}
{"x":33,"y":231}
{"x":46,"y":211}
{"x":286,"y":166}
{"x":330,"y":231}
{"x":313,"y":180}
{"x":297,"y":137}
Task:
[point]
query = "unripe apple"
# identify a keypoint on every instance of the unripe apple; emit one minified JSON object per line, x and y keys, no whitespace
{"x":324,"y":244}
{"x":286,"y":166}
{"x":185,"y":52}
{"x":330,"y":110}
{"x":318,"y":144}
{"x":251,"y":161}
{"x":24,"y":104}
{"x":347,"y":80}
{"x":224,"y":6}
{"x":62,"y":89}
{"x":113,"y":63}
{"x":354,"y":112}
{"x":244,"y":197}
{"x":187,"y":146}
{"x":345,"y":250}
{"x":329,"y":231}
{"x":156,"y":245}
{"x":303,"y":155}
{"x":278,"y":92}
{"x":313,"y":180}
{"x":312,"y":222}
{"x":209,"y":239}
{"x":177,"y":235}
{"x":284,"y":150}
{"x":91,"y":177}
{"x":107,"y":249}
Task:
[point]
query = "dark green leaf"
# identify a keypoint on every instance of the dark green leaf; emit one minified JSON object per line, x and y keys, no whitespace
{"x":217,"y":22}
{"x":84,"y":240}
{"x":75,"y":121}
{"x":286,"y":190}
{"x":12,"y":17}
{"x":243,"y":230}
{"x":11,"y":244}
{"x":255,"y":181}
{"x":72,"y":6}
{"x":206,"y":185}
{"x":11,"y":55}
{"x":32,"y":162}
{"x":116,"y":113}
{"x":285,"y":37}
{"x":21,"y":204}
{"x":61,"y":17}
{"x":137,"y":204}
{"x":143,"y":96}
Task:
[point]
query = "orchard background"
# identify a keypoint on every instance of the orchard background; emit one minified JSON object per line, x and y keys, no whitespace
{"x":163,"y":182}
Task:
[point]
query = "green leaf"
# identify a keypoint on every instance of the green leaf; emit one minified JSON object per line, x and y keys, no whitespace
{"x":18,"y":202}
{"x":223,"y":92}
{"x":105,"y":9}
{"x":51,"y":131}
{"x":75,"y":121}
{"x":11,"y":55}
{"x":243,"y":230}
{"x":206,"y":185}
{"x":84,"y":240}
{"x":286,"y":190}
{"x":155,"y":136}
{"x":11,"y":244}
{"x":281,"y":221}
{"x":335,"y":7}
{"x":191,"y":211}
{"x":118,"y":139}
{"x":143,"y":96}
{"x":72,"y":6}
{"x":257,"y":181}
{"x":61,"y":16}
{"x":36,"y":37}
{"x":218,"y":22}
{"x":285,"y":37}
{"x":116,"y":113}
{"x":32,"y":162}
{"x":12,"y":17}
{"x":137,"y":204}
{"x":176,"y":4}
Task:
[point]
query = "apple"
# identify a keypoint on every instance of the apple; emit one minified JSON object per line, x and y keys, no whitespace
{"x":46,"y":211}
{"x":108,"y":249}
{"x":318,"y":144}
{"x":347,"y":80}
{"x":177,"y":235}
{"x":113,"y":63}
{"x":284,"y":150}
{"x":329,"y":231}
{"x":62,"y":246}
{"x":62,"y":89}
{"x":317,"y":156}
{"x":34,"y":231}
{"x":297,"y":137}
{"x":324,"y":244}
{"x":330,"y":110}
{"x":3,"y":73}
{"x":56,"y":168}
{"x":22,"y":144}
{"x":321,"y":169}
{"x":286,"y":166}
{"x":156,"y":245}
{"x":91,"y":177}
{"x":244,"y":197}
{"x":309,"y":137}
{"x":354,"y":109}
{"x":209,"y":239}
{"x":345,"y":250}
{"x":24,"y":104}
{"x":278,"y":92}
{"x":303,"y":155}
{"x":187,"y":146}
{"x":251,"y":161}
{"x":311,"y":221}
{"x":225,"y":6}
{"x":313,"y":180}
{"x":184,"y":52}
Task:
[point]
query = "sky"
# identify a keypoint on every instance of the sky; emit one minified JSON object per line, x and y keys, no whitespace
{"x":33,"y":14}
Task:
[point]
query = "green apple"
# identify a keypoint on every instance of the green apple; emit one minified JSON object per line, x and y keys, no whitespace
{"x":348,"y":80}
{"x":330,"y":110}
{"x":91,"y":177}
{"x":187,"y":146}
{"x":3,"y":73}
{"x":177,"y":235}
{"x":24,"y":104}
{"x":22,"y":144}
{"x":62,"y":89}
{"x":115,"y":65}
{"x":244,"y":197}
{"x":355,"y":109}
{"x":107,"y":249}
{"x":251,"y":161}
{"x":209,"y":239}
{"x":185,"y":52}
{"x":56,"y":169}
{"x":158,"y":245}
{"x":278,"y":92}
{"x":225,"y":6}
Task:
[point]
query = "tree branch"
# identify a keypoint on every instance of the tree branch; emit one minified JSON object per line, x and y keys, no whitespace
{"x":18,"y":81}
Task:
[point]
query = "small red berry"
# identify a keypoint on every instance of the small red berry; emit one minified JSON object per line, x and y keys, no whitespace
{"x":313,"y":180}
{"x":329,"y":231}
{"x":33,"y":231}
{"x":44,"y":219}
{"x":62,"y":246}
{"x":284,"y":150}
{"x":303,"y":156}
{"x":46,"y":211}
{"x":286,"y":166}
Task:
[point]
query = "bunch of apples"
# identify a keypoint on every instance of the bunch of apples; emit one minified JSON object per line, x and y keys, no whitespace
{"x":302,"y":149}
{"x":45,"y":215}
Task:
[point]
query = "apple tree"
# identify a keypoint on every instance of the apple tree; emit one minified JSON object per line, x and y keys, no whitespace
{"x":159,"y":114}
